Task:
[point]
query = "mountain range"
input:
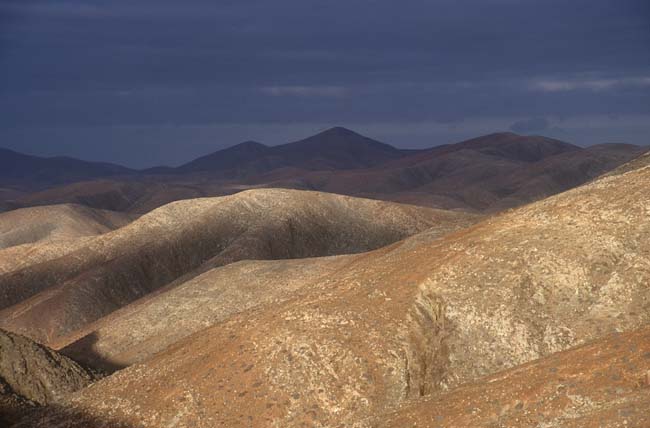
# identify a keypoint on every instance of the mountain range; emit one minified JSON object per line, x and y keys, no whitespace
{"x":488,"y":173}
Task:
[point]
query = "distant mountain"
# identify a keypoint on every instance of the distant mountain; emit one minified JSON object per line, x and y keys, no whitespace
{"x":502,"y":145}
{"x":334,"y":149}
{"x":338,"y":148}
{"x":492,"y":172}
{"x":488,"y":173}
{"x":235,"y":158}
{"x":24,"y":169}
{"x":512,"y":146}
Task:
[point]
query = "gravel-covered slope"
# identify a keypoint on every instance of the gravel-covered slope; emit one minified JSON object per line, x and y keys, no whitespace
{"x":50,"y":299}
{"x":603,"y":384}
{"x":412,"y":319}
{"x":31,"y":374}
{"x":56,"y":223}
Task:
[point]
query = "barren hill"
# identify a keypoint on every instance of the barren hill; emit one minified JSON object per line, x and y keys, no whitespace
{"x":412,"y":319}
{"x":135,"y":195}
{"x":33,"y":374}
{"x":55,"y":223}
{"x":334,"y":149}
{"x":55,"y":297}
{"x":111,"y":342}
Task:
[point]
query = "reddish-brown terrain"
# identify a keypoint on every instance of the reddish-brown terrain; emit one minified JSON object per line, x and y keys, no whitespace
{"x":287,"y":308}
{"x":32,"y":375}
{"x":415,"y":320}
{"x":603,"y":384}
{"x":61,"y":293}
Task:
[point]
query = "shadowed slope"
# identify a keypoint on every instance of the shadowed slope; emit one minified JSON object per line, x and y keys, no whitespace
{"x":417,"y":317}
{"x":139,"y":195}
{"x":116,"y":268}
{"x":33,"y":170}
{"x":112,"y":342}
{"x":14,"y":259}
{"x":334,"y":149}
{"x":605,"y":383}
{"x":33,"y":374}
{"x":239,"y":159}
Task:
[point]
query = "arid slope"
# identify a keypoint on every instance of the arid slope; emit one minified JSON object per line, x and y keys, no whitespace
{"x":412,"y":319}
{"x":32,"y":374}
{"x":185,"y":238}
{"x":56,"y":223}
{"x":111,"y":342}
{"x":603,"y":384}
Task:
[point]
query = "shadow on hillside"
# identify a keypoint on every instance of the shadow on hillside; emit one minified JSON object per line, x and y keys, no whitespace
{"x":83,"y":351}
{"x":60,"y":416}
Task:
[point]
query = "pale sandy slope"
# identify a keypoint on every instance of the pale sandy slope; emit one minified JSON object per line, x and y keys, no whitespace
{"x":35,"y":235}
{"x":51,"y":299}
{"x":56,"y":223}
{"x":412,"y":319}
{"x":165,"y":317}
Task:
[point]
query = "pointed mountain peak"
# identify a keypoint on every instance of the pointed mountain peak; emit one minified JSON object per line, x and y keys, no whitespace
{"x":338,"y":130}
{"x":339,"y":140}
{"x":248,"y":145}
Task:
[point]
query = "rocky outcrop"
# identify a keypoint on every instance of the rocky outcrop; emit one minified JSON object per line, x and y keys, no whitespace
{"x":605,"y":383}
{"x":32,"y":374}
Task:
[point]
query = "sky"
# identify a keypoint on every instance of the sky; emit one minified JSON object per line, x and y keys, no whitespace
{"x":151,"y":82}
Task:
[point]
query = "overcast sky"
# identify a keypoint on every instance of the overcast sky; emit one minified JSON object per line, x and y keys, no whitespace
{"x":160,"y":82}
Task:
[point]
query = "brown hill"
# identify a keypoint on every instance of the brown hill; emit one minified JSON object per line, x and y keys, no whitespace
{"x":487,"y":173}
{"x":415,"y":318}
{"x":111,"y":342}
{"x":22,"y":169}
{"x":605,"y":384}
{"x":32,"y":374}
{"x":14,"y":259}
{"x":136,"y":195}
{"x":334,"y":149}
{"x":55,"y":297}
{"x":55,"y":223}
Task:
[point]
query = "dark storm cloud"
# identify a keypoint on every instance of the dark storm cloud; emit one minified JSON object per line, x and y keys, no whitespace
{"x":123,"y":64}
{"x":529,"y":125}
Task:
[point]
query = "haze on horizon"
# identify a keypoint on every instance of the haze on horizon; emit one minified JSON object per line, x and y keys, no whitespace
{"x":147,"y":83}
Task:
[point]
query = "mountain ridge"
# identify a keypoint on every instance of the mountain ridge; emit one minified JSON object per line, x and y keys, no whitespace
{"x":16,"y":167}
{"x":334,"y":148}
{"x":486,"y":173}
